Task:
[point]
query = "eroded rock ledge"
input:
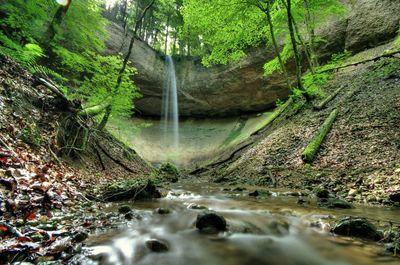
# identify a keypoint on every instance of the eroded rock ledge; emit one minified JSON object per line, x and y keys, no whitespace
{"x":241,"y":87}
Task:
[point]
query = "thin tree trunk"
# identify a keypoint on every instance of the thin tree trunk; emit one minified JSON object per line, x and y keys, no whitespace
{"x":174,"y":45}
{"x":311,"y":31}
{"x":307,"y":50}
{"x":124,"y":64}
{"x":294,"y":45}
{"x":267,"y":12}
{"x":125,"y":15}
{"x":155,"y":37}
{"x":166,"y":36}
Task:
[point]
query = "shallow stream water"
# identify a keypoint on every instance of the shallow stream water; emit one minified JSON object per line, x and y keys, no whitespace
{"x":271,"y":229}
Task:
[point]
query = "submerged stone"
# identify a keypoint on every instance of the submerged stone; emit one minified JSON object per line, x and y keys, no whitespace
{"x":334,"y":204}
{"x":194,"y":206}
{"x":80,"y":236}
{"x":254,"y":193}
{"x":322,"y":193}
{"x":357,"y":227}
{"x":210,"y":223}
{"x":163,"y":211}
{"x":157,"y":245}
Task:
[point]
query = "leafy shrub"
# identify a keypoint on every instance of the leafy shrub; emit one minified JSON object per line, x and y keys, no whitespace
{"x":169,"y":168}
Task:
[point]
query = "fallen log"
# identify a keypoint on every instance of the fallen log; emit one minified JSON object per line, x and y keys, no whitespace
{"x":52,"y":87}
{"x":313,"y":147}
{"x":323,"y":103}
{"x":95,"y":110}
{"x":274,"y":115}
{"x":385,"y":55}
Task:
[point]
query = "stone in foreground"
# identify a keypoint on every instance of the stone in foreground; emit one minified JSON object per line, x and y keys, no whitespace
{"x":210,"y":223}
{"x":157,"y":245}
{"x":357,"y":227}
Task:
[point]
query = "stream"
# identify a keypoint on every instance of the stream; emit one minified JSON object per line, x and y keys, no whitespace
{"x":270,"y":229}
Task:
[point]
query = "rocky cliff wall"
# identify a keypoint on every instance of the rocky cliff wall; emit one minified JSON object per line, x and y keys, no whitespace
{"x":241,"y":87}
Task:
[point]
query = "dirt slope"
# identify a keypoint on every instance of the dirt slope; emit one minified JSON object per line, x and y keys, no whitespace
{"x":29,"y":125}
{"x":361,"y":152}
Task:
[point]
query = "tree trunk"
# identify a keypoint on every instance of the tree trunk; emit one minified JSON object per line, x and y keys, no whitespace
{"x":174,"y":45}
{"x":307,"y":50}
{"x":294,"y":44}
{"x":311,"y":31}
{"x":267,"y":12}
{"x":55,"y":24}
{"x":166,"y":36}
{"x":124,"y":64}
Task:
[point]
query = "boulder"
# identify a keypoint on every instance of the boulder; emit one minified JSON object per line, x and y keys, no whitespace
{"x":321,"y":193}
{"x":394,"y":196}
{"x":357,"y":227}
{"x":163,"y":211}
{"x":157,"y":245}
{"x":124,"y":209}
{"x":210,"y":223}
{"x":254,"y":193}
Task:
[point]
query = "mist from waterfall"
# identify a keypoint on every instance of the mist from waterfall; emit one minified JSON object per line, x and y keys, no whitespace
{"x":170,"y":112}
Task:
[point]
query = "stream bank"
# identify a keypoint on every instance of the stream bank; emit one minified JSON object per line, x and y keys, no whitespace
{"x":358,"y":161}
{"x":271,"y":228}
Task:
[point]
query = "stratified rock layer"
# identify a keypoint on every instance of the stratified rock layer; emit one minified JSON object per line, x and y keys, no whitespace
{"x":241,"y":87}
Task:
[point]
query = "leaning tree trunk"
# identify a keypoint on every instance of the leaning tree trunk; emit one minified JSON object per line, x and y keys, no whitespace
{"x":55,"y":24}
{"x":124,"y":64}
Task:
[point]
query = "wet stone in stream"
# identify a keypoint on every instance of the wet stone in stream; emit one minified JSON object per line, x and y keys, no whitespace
{"x":163,"y":211}
{"x":357,"y":227}
{"x":333,"y":203}
{"x":124,"y":209}
{"x":157,"y":245}
{"x":210,"y":223}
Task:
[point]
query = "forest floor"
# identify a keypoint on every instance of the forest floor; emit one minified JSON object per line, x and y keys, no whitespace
{"x":48,"y":206}
{"x":360,"y":157}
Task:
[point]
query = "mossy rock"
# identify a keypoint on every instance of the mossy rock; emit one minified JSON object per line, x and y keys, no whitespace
{"x":137,"y":189}
{"x":334,"y":203}
{"x":357,"y":227}
{"x":169,"y":172}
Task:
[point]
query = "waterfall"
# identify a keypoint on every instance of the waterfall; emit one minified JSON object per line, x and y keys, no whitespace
{"x":170,"y":112}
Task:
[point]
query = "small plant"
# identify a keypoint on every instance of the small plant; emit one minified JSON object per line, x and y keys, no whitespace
{"x":31,"y":135}
{"x":169,"y":168}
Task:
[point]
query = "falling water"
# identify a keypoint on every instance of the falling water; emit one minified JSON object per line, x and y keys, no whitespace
{"x":170,"y":113}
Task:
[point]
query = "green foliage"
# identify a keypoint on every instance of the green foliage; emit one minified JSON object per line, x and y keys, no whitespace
{"x":314,"y":82}
{"x":273,"y":66}
{"x":31,"y":135}
{"x":73,"y":57}
{"x":229,"y":27}
{"x":101,"y":85}
{"x":169,"y":168}
{"x":397,"y":40}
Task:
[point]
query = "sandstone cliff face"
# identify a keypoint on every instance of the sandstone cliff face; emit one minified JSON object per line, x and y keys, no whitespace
{"x":241,"y":87}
